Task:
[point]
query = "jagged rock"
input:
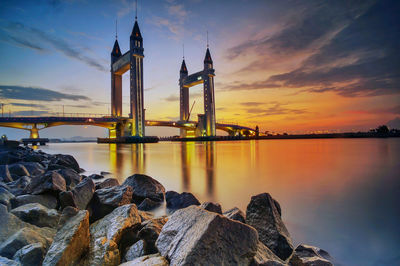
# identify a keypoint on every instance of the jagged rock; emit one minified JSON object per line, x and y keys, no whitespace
{"x":80,"y":196}
{"x":47,"y":200}
{"x":195,"y":236}
{"x":67,"y":213}
{"x":67,"y":199}
{"x":37,"y":214}
{"x":135,"y":251}
{"x":148,"y":260}
{"x":211,"y":207}
{"x":265,"y":256}
{"x":106,"y":234}
{"x":5,"y":175}
{"x":51,"y":182}
{"x":8,"y":262}
{"x":21,"y":238}
{"x":7,"y":158}
{"x":235,"y":214}
{"x":56,"y":167}
{"x":103,"y":173}
{"x":18,"y":170}
{"x":109,"y":182}
{"x":107,"y":199}
{"x":34,"y":169}
{"x":148,"y":205}
{"x":306,"y":255}
{"x":145,"y":187}
{"x":18,"y":186}
{"x":5,"y":197}
{"x":150,"y":231}
{"x":66,"y":160}
{"x":70,"y":242}
{"x":177,"y":201}
{"x":264,"y":216}
{"x":34,"y":157}
{"x":96,"y":176}
{"x":32,"y":254}
{"x":71,"y":177}
{"x":144,"y":215}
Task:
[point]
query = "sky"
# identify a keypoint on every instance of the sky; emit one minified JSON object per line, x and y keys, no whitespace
{"x":286,"y":66}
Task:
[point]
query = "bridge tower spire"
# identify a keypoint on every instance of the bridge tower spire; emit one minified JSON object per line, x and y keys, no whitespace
{"x":208,"y":91}
{"x":116,"y":80}
{"x":184,"y":95}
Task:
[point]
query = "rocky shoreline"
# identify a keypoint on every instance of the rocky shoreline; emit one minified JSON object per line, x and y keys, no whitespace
{"x":52,"y":214}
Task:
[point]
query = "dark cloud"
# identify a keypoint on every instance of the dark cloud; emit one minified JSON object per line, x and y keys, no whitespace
{"x":257,"y":85}
{"x":36,"y":39}
{"x":36,"y":94}
{"x":274,"y":109}
{"x":172,"y":98}
{"x":29,"y":113}
{"x":41,"y":106}
{"x":251,"y":103}
{"x":394,"y":123}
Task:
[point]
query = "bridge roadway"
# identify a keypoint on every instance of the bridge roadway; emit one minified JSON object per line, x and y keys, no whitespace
{"x":34,"y":124}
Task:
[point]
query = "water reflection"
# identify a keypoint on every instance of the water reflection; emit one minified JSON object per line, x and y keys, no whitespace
{"x":210,"y":169}
{"x":123,"y":163}
{"x":187,"y":153}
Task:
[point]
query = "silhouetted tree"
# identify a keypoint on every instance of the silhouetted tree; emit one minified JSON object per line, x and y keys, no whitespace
{"x":382,"y":129}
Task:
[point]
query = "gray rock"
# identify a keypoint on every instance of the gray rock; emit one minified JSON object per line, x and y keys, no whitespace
{"x":144,"y":215}
{"x":6,"y":197}
{"x":135,"y":251}
{"x":67,"y":213}
{"x":66,"y":160}
{"x":266,"y":257}
{"x":47,"y":200}
{"x":32,"y":254}
{"x":109,"y":182}
{"x":18,"y":186}
{"x":18,"y":170}
{"x":148,"y":260}
{"x":150,"y":231}
{"x":67,"y":199}
{"x":7,"y":158}
{"x":264,"y":216}
{"x":34,"y":169}
{"x":211,"y":207}
{"x":80,"y":196}
{"x":193,"y":236}
{"x":148,"y":205}
{"x":107,"y":199}
{"x":235,"y":214}
{"x":306,"y":255}
{"x":70,"y":242}
{"x":176,"y":201}
{"x":8,"y":262}
{"x":144,"y":186}
{"x":71,"y":177}
{"x":96,"y":176}
{"x":106,"y":234}
{"x":37,"y":214}
{"x":51,"y":182}
{"x":5,"y":175}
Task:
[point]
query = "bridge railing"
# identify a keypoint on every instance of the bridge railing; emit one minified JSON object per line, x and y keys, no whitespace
{"x":57,"y":114}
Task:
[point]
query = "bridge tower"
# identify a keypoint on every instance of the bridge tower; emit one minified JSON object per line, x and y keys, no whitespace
{"x":184,"y":96}
{"x":208,"y":91}
{"x":116,"y":83}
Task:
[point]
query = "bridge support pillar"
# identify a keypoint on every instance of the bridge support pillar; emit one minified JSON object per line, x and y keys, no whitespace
{"x":34,"y":132}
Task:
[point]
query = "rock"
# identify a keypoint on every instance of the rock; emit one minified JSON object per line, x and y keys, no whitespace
{"x":145,"y":187}
{"x":67,"y":213}
{"x":21,"y":238}
{"x":193,"y":236}
{"x":177,"y":201}
{"x":148,"y":260}
{"x":96,"y":176}
{"x":265,"y":256}
{"x":5,"y":175}
{"x":71,"y":177}
{"x":212,"y":207}
{"x":18,"y":170}
{"x":263,"y":215}
{"x":107,"y":199}
{"x":135,"y":251}
{"x":148,"y":205}
{"x":32,"y":254}
{"x":5,"y":261}
{"x":103,"y":173}
{"x":18,"y":186}
{"x":144,"y":215}
{"x":6,"y":197}
{"x":37,"y":214}
{"x":106,"y":234}
{"x":47,"y":200}
{"x":56,"y":167}
{"x":51,"y":182}
{"x":67,"y":199}
{"x":34,"y":157}
{"x":109,"y":182}
{"x":306,"y":255}
{"x":66,"y":160}
{"x":80,"y":196}
{"x":150,"y":231}
{"x":7,"y":158}
{"x":34,"y":169}
{"x":70,"y":242}
{"x":236,"y":214}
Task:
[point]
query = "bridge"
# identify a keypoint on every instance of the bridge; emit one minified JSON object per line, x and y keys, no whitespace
{"x":135,"y":123}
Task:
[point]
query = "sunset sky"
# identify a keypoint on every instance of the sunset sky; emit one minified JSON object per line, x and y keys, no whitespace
{"x":287,"y":66}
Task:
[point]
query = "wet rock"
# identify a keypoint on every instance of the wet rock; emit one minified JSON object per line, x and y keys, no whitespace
{"x":265,"y":256}
{"x":109,"y":182}
{"x":148,"y":260}
{"x":195,"y":236}
{"x":56,"y":167}
{"x":80,"y":196}
{"x":32,"y":254}
{"x":263,"y":215}
{"x":34,"y":169}
{"x":103,"y":173}
{"x":6,"y":197}
{"x":66,"y":160}
{"x":47,"y":200}
{"x":67,"y":213}
{"x":67,"y":199}
{"x":107,"y":199}
{"x":34,"y":157}
{"x":177,"y":201}
{"x":7,"y":158}
{"x":51,"y":182}
{"x":5,"y":175}
{"x":18,"y":170}
{"x":211,"y":207}
{"x":21,"y":238}
{"x":306,"y":255}
{"x":150,"y":231}
{"x":8,"y":262}
{"x":96,"y":176}
{"x":106,"y":234}
{"x":71,"y":177}
{"x":235,"y":214}
{"x":148,"y":205}
{"x":37,"y":214}
{"x":135,"y":251}
{"x":18,"y":186}
{"x":145,"y":187}
{"x":70,"y":242}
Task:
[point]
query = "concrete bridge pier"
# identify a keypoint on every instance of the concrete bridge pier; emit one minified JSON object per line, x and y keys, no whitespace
{"x":34,"y":132}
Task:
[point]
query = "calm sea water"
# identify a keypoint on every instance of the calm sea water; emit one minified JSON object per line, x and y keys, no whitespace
{"x":339,"y":194}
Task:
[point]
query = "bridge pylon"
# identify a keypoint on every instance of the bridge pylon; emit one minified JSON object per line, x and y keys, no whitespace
{"x":34,"y":132}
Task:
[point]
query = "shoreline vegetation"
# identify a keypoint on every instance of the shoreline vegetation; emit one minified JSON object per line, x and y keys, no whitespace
{"x":53,"y":214}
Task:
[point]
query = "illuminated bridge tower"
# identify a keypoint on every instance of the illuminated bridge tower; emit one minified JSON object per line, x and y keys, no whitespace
{"x":208,"y":91}
{"x":116,"y":83}
{"x":184,"y":97}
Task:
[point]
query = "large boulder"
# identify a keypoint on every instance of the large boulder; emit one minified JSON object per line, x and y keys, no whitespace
{"x":96,"y":176}
{"x":305,"y":255}
{"x":17,"y":187}
{"x":148,"y":260}
{"x":34,"y":169}
{"x":265,"y":256}
{"x":106,"y":235}
{"x":7,"y":262}
{"x":37,"y":214}
{"x":7,"y":157}
{"x":149,"y":232}
{"x":67,"y":213}
{"x":135,"y":251}
{"x":107,"y":199}
{"x":47,"y":200}
{"x":71,"y":177}
{"x":176,"y":201}
{"x":144,"y":186}
{"x":18,"y":170}
{"x":211,"y":207}
{"x":5,"y":197}
{"x":5,"y":175}
{"x":109,"y":182}
{"x":80,"y":196}
{"x":51,"y":182}
{"x":32,"y":254}
{"x":235,"y":214}
{"x":66,"y":160}
{"x":193,"y":236}
{"x":262,"y":214}
{"x":148,"y":205}
{"x":70,"y":242}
